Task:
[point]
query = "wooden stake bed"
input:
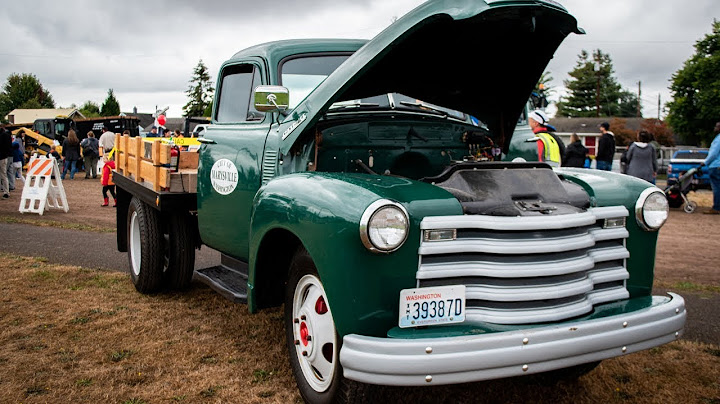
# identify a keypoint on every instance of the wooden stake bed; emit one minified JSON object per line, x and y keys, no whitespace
{"x":147,"y":162}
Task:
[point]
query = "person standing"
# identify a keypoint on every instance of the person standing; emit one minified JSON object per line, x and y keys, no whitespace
{"x":575,"y":153}
{"x":15,"y":169}
{"x":91,"y":152}
{"x":713,"y":165}
{"x":5,"y":152}
{"x":606,"y":148}
{"x":641,"y":158}
{"x":153,"y":132}
{"x":107,"y":181}
{"x":107,"y":140}
{"x":550,"y":147}
{"x":71,"y":154}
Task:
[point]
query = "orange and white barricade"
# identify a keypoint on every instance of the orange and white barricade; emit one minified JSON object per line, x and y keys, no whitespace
{"x":43,"y":186}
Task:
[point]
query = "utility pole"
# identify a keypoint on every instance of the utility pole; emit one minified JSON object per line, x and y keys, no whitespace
{"x":597,"y":90}
{"x":658,"y":106}
{"x":639,"y":98}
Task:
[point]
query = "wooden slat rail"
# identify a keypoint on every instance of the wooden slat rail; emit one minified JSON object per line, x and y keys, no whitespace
{"x":147,"y":162}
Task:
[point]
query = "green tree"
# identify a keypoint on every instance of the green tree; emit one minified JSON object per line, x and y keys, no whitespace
{"x":695,"y":89}
{"x":199,"y":92}
{"x":111,"y":106}
{"x":90,"y":109}
{"x":592,"y":83}
{"x":23,"y":91}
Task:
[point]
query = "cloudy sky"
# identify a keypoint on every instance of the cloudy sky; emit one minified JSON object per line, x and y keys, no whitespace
{"x":146,"y":50}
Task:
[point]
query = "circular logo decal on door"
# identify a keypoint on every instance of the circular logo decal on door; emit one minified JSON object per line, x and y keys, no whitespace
{"x":224,"y":176}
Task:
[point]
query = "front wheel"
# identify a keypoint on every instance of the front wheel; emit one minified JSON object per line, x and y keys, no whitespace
{"x":690,"y":207}
{"x":312,"y":341}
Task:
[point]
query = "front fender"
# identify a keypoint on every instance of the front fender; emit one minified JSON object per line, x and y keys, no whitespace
{"x":323,"y":211}
{"x":611,"y":189}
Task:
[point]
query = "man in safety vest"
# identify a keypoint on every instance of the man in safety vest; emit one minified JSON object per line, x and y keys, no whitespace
{"x":550,"y":147}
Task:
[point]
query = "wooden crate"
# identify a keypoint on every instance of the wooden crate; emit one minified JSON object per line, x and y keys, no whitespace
{"x":147,"y":161}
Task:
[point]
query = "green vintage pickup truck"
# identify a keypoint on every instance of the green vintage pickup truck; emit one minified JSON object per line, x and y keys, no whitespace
{"x":339,"y":178}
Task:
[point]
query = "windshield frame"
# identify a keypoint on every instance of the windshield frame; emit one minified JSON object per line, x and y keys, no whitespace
{"x":283,"y":61}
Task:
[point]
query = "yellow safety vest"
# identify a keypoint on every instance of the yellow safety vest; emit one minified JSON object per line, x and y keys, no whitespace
{"x":552,"y":150}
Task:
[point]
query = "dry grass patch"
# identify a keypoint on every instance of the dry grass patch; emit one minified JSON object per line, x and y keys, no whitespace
{"x":69,"y":334}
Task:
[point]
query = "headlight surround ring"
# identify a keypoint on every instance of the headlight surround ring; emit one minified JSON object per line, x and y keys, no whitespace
{"x":651,"y":209}
{"x":371,"y":233}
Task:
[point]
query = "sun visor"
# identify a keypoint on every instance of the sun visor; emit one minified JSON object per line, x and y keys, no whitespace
{"x":481,"y":58}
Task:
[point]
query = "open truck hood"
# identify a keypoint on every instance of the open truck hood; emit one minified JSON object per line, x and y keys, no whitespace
{"x":482,"y":58}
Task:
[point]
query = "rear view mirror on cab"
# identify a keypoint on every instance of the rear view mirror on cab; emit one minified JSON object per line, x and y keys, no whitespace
{"x":271,"y":98}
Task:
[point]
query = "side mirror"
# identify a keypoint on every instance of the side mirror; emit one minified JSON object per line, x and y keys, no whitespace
{"x":271,"y":98}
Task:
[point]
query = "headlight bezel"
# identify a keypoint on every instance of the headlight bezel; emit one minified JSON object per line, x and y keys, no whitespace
{"x":640,"y":209}
{"x":367,"y":217}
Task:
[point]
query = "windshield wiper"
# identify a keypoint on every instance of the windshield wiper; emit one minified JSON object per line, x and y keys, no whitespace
{"x":352,"y":104}
{"x":422,"y":105}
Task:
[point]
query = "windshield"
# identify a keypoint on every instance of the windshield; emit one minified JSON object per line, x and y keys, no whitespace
{"x":691,"y":155}
{"x":302,"y":75}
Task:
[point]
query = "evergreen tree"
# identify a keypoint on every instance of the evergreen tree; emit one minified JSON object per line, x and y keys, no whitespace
{"x":695,"y":88}
{"x":111,"y":106}
{"x":23,"y":91}
{"x":592,"y":83}
{"x":199,"y":92}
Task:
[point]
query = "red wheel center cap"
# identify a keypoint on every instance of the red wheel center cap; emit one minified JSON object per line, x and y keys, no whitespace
{"x":304,"y":333}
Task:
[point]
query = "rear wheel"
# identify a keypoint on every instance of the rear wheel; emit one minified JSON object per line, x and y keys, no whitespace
{"x":145,"y":247}
{"x":313,"y":343}
{"x":179,"y":260}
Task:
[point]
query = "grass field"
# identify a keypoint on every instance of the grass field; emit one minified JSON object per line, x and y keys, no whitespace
{"x":74,"y":335}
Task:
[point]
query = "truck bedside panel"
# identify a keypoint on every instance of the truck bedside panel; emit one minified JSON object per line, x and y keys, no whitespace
{"x":462,"y":359}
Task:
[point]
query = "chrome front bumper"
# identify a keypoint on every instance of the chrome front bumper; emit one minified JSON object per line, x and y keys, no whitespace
{"x":451,"y":360}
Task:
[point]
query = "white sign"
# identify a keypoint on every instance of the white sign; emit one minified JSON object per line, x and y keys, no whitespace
{"x":224,"y":176}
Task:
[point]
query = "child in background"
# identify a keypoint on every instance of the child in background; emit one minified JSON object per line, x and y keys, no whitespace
{"x":107,"y":181}
{"x":54,"y":153}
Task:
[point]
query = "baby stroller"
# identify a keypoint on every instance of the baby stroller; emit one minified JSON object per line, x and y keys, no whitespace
{"x":677,"y":189}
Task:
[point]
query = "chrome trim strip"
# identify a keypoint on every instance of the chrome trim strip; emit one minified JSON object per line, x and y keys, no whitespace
{"x":494,"y":246}
{"x":587,"y":218}
{"x":523,"y":294}
{"x":538,"y":315}
{"x":406,"y":362}
{"x":505,"y":270}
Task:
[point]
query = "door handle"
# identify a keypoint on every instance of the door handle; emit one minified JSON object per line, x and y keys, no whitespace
{"x":205,"y":140}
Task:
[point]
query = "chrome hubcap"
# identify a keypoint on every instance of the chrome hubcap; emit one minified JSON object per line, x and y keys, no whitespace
{"x":135,"y":243}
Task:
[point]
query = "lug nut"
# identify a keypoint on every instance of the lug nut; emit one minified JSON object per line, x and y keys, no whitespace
{"x":303,"y":317}
{"x":309,"y":338}
{"x":296,"y":321}
{"x":297,"y":342}
{"x":304,"y":353}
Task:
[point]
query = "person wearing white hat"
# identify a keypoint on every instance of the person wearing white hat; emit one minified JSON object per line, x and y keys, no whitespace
{"x":550,"y":147}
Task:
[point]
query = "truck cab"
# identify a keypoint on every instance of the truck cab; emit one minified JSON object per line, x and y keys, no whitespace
{"x":361,"y":184}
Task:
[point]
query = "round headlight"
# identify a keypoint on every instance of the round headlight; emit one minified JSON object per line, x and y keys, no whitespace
{"x":651,"y":209}
{"x":384,"y":226}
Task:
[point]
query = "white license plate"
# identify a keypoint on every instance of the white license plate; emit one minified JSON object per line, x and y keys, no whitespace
{"x":432,"y":306}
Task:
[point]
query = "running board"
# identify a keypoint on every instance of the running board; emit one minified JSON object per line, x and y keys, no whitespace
{"x":228,"y":279}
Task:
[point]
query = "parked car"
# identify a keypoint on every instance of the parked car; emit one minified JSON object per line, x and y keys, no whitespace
{"x":682,"y":161}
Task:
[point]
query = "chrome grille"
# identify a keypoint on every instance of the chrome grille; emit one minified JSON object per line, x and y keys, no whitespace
{"x":529,"y":269}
